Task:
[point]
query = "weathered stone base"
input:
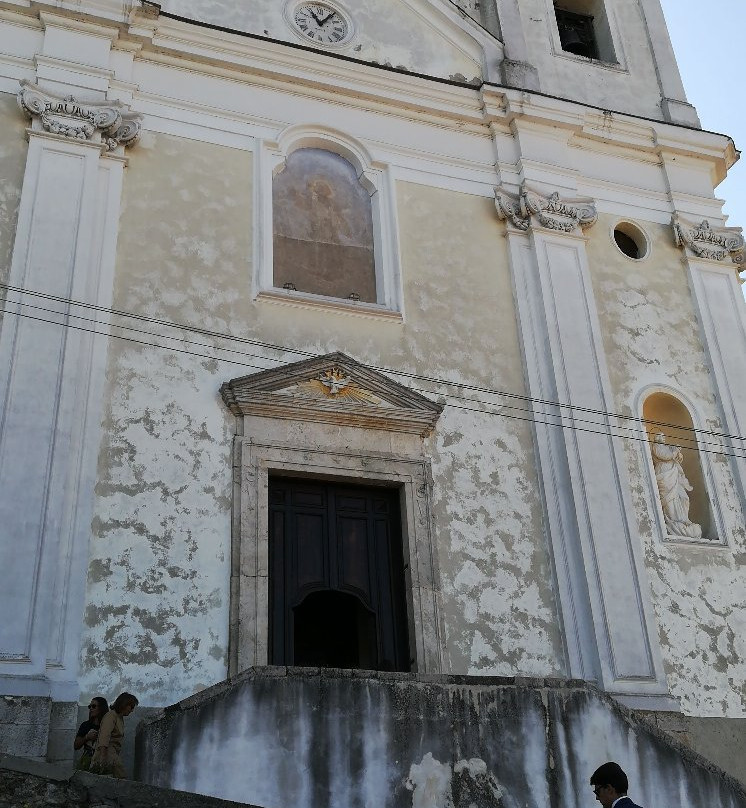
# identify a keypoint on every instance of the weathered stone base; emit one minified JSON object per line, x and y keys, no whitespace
{"x":24,"y":726}
{"x":37,"y":728}
{"x":63,"y":722}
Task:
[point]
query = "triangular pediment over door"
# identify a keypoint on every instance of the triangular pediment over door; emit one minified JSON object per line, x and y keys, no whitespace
{"x":332,"y":389}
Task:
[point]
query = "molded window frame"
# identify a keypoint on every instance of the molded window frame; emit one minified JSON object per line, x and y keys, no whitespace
{"x":374,"y":176}
{"x":705,"y":460}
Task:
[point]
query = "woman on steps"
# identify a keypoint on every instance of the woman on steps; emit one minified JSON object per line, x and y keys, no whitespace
{"x":87,"y":734}
{"x":107,"y":757}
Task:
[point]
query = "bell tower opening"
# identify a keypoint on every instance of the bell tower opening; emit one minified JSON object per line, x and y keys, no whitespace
{"x":584,"y":30}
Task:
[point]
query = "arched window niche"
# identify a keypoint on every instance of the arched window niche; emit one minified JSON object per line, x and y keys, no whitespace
{"x":326,"y":224}
{"x":681,"y":474}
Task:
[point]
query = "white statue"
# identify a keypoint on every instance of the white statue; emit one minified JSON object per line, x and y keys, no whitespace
{"x":673,"y":487}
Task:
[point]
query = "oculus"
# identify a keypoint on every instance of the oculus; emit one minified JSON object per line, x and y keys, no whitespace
{"x":631,"y":240}
{"x":320,"y":23}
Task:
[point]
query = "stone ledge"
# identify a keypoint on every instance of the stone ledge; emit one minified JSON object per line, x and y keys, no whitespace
{"x":22,"y":785}
{"x":383,"y":677}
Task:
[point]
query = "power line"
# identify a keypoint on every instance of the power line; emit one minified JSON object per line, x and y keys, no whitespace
{"x":433,"y":380}
{"x":606,"y":433}
{"x":133,"y":339}
{"x":148,"y":319}
{"x":531,"y":412}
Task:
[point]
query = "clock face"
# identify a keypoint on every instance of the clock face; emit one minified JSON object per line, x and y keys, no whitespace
{"x":320,"y":23}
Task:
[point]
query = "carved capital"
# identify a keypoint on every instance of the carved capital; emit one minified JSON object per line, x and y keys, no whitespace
{"x":712,"y":243}
{"x":509,"y":208}
{"x":532,"y":209}
{"x":109,"y":123}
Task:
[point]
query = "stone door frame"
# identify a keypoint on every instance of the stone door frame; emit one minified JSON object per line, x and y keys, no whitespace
{"x":254,"y":462}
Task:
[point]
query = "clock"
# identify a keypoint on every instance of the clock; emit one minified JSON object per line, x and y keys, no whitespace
{"x":321,"y":23}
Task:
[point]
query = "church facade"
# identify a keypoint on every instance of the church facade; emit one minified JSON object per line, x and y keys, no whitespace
{"x":405,"y":335}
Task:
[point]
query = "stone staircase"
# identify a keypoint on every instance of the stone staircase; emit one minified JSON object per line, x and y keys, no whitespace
{"x":325,"y":738}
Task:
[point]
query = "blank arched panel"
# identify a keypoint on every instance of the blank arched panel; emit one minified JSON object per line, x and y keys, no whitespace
{"x":323,"y":227}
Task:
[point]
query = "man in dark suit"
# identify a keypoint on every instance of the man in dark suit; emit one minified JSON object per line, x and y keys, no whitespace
{"x":610,"y":786}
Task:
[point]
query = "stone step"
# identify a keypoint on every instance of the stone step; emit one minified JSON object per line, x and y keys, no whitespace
{"x":26,"y":784}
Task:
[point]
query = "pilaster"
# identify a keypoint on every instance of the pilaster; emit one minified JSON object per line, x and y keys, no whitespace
{"x":714,"y":257}
{"x":516,"y":69}
{"x":51,"y":379}
{"x":609,"y":629}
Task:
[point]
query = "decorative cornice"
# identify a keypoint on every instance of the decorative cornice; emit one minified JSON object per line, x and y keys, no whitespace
{"x":332,"y":389}
{"x":712,"y":243}
{"x":532,"y":209}
{"x":109,"y":123}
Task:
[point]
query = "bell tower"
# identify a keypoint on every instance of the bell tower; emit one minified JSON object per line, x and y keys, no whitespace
{"x":613,"y":54}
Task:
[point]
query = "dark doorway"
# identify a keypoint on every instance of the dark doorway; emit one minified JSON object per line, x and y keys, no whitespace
{"x":334,"y":630}
{"x":336,"y":576}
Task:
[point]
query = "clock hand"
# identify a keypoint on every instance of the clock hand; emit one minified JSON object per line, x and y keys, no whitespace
{"x":326,"y":19}
{"x":318,"y":21}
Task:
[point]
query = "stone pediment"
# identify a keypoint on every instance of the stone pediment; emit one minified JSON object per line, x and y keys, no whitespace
{"x":421,"y":36}
{"x":332,"y":389}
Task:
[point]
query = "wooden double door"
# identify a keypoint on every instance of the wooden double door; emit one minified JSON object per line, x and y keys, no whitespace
{"x":337,"y":594}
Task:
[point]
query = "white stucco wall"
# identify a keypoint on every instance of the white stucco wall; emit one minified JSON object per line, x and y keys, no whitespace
{"x":156,"y":618}
{"x":499,"y":607}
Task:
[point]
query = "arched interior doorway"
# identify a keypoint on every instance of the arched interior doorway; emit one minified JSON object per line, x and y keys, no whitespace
{"x":337,"y":591}
{"x":334,"y":630}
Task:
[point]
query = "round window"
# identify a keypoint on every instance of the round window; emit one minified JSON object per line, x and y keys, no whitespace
{"x":631,"y":240}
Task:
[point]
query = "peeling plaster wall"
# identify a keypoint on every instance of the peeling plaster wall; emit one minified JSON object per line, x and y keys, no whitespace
{"x":498,"y":602}
{"x":156,"y":619}
{"x":499,"y":608}
{"x":13,"y":149}
{"x":651,"y":336}
{"x":388,"y":32}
